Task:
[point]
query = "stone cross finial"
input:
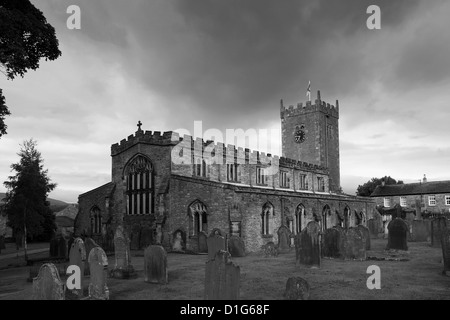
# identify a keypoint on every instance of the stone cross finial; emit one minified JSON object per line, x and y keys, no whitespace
{"x":139,"y":124}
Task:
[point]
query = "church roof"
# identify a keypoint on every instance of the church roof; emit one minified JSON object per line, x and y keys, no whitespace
{"x":433,"y":187}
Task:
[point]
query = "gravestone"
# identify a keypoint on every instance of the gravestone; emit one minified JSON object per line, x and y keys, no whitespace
{"x":284,"y":241}
{"x":122,"y":268}
{"x":366,"y":234}
{"x":62,"y":248}
{"x":236,"y":246}
{"x":270,"y":249}
{"x":332,"y":243}
{"x":215,"y":244}
{"x":307,"y":245}
{"x":202,"y":244}
{"x":178,"y":242}
{"x":78,"y":257}
{"x":355,"y":244}
{"x":146,"y":237}
{"x":69,"y":243}
{"x":48,"y":285}
{"x":445,"y":244}
{"x":438,"y":225}
{"x":222,"y":278}
{"x":155,"y":265}
{"x":397,"y":236}
{"x":98,"y":266}
{"x":89,"y":244}
{"x":135,"y":237}
{"x":297,"y":289}
{"x":419,"y":231}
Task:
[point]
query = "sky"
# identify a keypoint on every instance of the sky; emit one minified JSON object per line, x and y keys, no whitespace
{"x":227,"y":64}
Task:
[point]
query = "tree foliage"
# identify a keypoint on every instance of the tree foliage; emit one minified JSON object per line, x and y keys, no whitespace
{"x":25,"y":37}
{"x":26,"y":199}
{"x":367,"y":188}
{"x":3,"y":113}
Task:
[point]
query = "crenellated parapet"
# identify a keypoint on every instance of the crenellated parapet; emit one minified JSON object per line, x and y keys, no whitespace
{"x":309,"y":106}
{"x":141,"y":136}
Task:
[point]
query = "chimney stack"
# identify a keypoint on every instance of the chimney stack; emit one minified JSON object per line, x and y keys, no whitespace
{"x":424,"y":178}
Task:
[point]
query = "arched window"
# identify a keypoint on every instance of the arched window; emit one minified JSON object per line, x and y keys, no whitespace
{"x":198,"y":218}
{"x":96,"y":221}
{"x":299,"y":218}
{"x":347,"y":218}
{"x":326,"y":217}
{"x":138,"y":177}
{"x":267,"y":213}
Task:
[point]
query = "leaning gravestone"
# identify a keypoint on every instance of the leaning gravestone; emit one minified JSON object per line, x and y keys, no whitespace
{"x":331,"y":247}
{"x":155,"y":265}
{"x":178,"y":241}
{"x":366,"y":234}
{"x":296,"y":289}
{"x":202,"y":244}
{"x":419,"y":231}
{"x":123,"y":268}
{"x":284,"y":240}
{"x":78,"y":257}
{"x":307,"y":245}
{"x":438,"y":225}
{"x":445,"y":244}
{"x":397,"y":236}
{"x":355,"y":245}
{"x":98,"y":265}
{"x":48,"y":285}
{"x":236,"y":246}
{"x":222,"y":278}
{"x":215,"y":244}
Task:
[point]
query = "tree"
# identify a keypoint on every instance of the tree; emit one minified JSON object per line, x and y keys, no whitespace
{"x":367,"y":188}
{"x":3,"y":112}
{"x":25,"y":38}
{"x":26,"y":200}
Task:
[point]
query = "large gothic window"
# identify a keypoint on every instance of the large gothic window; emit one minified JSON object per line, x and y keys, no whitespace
{"x":96,"y":220}
{"x":266,"y":217}
{"x":139,"y":182}
{"x":198,"y":218}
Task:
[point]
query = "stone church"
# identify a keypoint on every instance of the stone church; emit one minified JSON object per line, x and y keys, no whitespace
{"x":178,"y":190}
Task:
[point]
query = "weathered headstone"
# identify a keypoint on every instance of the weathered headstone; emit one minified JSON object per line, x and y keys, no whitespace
{"x":48,"y":285}
{"x":355,"y":244}
{"x":270,"y":249}
{"x":78,"y":257}
{"x":178,"y":242}
{"x":215,"y":244}
{"x":202,"y":244}
{"x":155,"y":265}
{"x":445,"y":244}
{"x":438,"y":225}
{"x":222,"y":278}
{"x":89,"y":244}
{"x":98,"y":265}
{"x":332,"y":243}
{"x":284,"y":240}
{"x":236,"y":246}
{"x":366,"y":234}
{"x":307,"y":245}
{"x":419,"y":231}
{"x":122,"y":268}
{"x":146,"y":237}
{"x":397,"y":236}
{"x":297,"y":289}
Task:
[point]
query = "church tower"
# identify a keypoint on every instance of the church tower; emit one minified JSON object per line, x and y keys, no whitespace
{"x":310,"y":133}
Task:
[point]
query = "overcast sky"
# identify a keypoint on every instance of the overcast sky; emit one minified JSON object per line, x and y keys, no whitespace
{"x":228,"y":63}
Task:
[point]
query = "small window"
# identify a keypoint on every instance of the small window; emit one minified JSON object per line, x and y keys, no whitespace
{"x":320,"y":184}
{"x":447,"y":200}
{"x":284,"y":179}
{"x":387,"y":202}
{"x":233,"y":172}
{"x":431,"y":200}
{"x":403,"y":201}
{"x":303,"y":182}
{"x":260,"y":176}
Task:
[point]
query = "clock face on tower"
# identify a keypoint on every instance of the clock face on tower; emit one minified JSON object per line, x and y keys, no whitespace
{"x":299,"y":136}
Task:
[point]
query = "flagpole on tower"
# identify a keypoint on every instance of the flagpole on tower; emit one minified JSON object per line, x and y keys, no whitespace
{"x":308,"y":91}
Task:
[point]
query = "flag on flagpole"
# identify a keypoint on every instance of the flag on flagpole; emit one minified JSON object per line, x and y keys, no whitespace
{"x":308,"y":91}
